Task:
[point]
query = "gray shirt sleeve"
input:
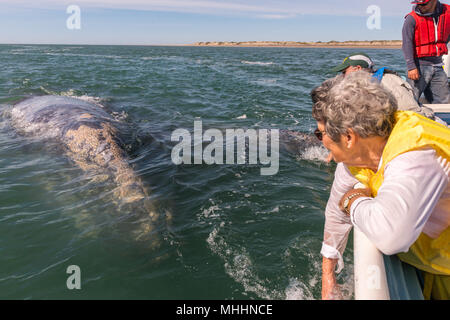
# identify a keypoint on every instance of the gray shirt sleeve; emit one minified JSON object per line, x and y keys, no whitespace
{"x":408,"y":46}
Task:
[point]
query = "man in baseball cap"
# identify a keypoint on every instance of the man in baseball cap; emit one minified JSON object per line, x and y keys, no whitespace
{"x":354,"y":62}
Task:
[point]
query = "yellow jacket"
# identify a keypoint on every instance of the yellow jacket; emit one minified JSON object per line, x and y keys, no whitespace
{"x":412,"y":132}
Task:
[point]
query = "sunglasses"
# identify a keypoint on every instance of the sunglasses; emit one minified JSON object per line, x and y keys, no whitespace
{"x":319,"y":134}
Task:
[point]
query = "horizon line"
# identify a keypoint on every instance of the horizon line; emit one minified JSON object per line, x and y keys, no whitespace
{"x":194,"y":44}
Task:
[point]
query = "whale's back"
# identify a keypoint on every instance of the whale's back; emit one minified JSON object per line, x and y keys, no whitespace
{"x":53,"y":116}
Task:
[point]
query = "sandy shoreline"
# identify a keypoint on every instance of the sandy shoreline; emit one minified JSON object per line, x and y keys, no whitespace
{"x":379,"y":44}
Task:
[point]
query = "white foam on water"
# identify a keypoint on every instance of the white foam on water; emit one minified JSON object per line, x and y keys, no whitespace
{"x":210,"y":212}
{"x":257,"y":63}
{"x":297,"y":290}
{"x":275,"y":210}
{"x":302,"y":286}
{"x":237,"y":261}
{"x":169,"y":58}
{"x":81,"y":55}
{"x":238,"y":265}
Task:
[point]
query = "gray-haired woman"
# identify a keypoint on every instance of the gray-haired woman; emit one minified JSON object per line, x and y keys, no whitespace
{"x":403,"y":160}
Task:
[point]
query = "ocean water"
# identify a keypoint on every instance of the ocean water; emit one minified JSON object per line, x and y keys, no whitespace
{"x":232,"y":234}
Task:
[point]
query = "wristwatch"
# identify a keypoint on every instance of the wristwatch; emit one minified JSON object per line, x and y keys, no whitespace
{"x":347,"y":201}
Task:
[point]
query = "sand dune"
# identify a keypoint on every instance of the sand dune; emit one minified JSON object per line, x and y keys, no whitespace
{"x":344,"y":44}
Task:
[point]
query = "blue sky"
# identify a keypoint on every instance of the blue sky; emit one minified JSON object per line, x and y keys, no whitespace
{"x":147,"y":22}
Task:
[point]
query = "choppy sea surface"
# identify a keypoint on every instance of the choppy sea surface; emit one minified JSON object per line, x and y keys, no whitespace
{"x":233,"y":233}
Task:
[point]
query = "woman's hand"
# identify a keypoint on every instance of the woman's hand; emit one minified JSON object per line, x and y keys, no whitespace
{"x":330,"y":289}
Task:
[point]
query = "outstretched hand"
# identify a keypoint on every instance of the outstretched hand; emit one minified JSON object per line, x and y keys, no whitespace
{"x":330,"y":288}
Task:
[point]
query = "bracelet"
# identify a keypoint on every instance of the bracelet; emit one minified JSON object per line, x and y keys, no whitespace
{"x":347,"y":201}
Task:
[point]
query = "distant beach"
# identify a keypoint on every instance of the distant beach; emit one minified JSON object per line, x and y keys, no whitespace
{"x":375,"y":44}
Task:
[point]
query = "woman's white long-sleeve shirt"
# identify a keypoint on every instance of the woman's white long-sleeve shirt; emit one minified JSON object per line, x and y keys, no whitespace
{"x":414,"y":198}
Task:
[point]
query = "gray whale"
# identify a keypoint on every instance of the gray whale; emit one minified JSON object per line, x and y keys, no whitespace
{"x":303,"y":145}
{"x":90,"y":137}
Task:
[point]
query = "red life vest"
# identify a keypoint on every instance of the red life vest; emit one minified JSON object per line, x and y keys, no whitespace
{"x":431,"y":39}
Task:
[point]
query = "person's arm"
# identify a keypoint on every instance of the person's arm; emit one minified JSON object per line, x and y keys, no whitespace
{"x":330,"y":290}
{"x":336,"y":231}
{"x":413,"y":184}
{"x":408,"y":47}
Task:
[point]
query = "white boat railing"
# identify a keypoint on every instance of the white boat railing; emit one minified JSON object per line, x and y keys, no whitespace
{"x":440,"y":108}
{"x":370,"y":273}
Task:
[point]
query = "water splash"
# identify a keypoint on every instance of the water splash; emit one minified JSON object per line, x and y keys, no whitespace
{"x":257,"y":63}
{"x":314,"y":153}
